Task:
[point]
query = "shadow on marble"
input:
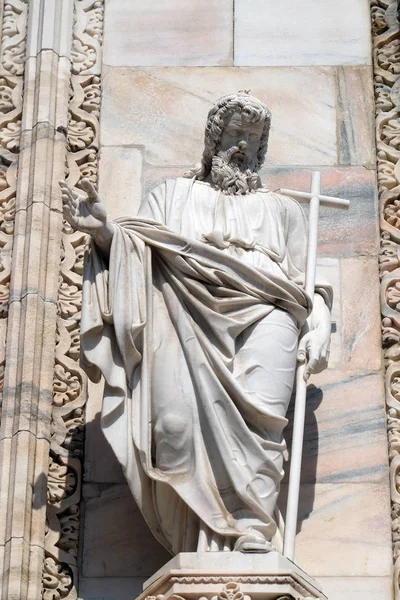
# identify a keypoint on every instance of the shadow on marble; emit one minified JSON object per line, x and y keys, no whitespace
{"x":116,"y":541}
{"x":345,"y":437}
{"x":110,"y":588}
{"x":101,"y":464}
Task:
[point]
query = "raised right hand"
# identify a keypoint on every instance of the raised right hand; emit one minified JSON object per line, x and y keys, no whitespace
{"x":85,"y":213}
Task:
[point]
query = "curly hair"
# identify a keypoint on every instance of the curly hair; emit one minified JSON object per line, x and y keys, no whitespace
{"x":253,"y":111}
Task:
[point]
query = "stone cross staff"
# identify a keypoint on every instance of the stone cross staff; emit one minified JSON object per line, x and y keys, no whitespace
{"x":315,"y":199}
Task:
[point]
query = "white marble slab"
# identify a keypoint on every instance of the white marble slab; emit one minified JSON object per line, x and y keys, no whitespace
{"x":356,"y":121}
{"x":344,"y":530}
{"x":357,"y":588}
{"x":302,"y":32}
{"x":120,"y":180}
{"x":165,"y":110}
{"x":160,"y":33}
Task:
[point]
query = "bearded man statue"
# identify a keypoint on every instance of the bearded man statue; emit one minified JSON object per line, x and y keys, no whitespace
{"x":192,"y":313}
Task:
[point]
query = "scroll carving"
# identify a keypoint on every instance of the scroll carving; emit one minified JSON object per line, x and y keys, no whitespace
{"x":70,"y":387}
{"x":12,"y":57}
{"x":13,"y":40}
{"x":386,"y":30}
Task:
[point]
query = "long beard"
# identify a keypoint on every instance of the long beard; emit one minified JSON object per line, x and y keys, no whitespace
{"x":231,"y":174}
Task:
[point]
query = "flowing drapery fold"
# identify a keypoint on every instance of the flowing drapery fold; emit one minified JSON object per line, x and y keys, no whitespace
{"x":161,"y":321}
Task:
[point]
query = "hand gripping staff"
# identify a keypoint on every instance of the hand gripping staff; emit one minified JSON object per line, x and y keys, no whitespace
{"x":315,"y":198}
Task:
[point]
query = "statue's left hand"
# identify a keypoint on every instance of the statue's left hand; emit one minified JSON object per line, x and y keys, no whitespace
{"x":314,"y":345}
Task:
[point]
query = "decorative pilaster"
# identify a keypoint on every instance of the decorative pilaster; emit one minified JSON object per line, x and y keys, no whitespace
{"x":31,"y":330}
{"x":12,"y":62}
{"x":386,"y":41}
{"x":60,"y":577}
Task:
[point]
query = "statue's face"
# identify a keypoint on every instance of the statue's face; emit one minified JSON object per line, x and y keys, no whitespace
{"x":246,"y":136}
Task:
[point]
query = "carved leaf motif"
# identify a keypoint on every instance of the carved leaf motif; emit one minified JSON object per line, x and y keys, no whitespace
{"x":4,"y":298}
{"x":9,"y":136}
{"x":80,"y":134}
{"x":88,"y":31}
{"x":83,"y":56}
{"x":390,"y":332}
{"x":69,"y":300}
{"x":66,"y":386}
{"x":74,"y":436}
{"x":14,"y":36}
{"x":379,"y":24}
{"x":6,"y":102}
{"x":386,"y":177}
{"x":392,"y":213}
{"x":69,"y":521}
{"x":57,"y":580}
{"x":393,"y":296}
{"x":388,"y":57}
{"x":7,"y":215}
{"x":383,"y":100}
{"x":91,"y":102}
{"x":389,"y":258}
{"x":61,"y":481}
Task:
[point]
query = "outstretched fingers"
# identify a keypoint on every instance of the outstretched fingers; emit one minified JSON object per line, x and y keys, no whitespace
{"x":90,"y":190}
{"x":69,"y":203}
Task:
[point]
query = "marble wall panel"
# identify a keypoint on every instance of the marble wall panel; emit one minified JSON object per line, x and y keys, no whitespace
{"x":162,"y":33}
{"x":341,"y":233}
{"x":356,"y":116}
{"x":165,"y":110}
{"x":120,"y":185}
{"x":345,"y":438}
{"x":344,"y":530}
{"x":302,"y":32}
{"x":122,"y":546}
{"x":357,"y":588}
{"x":361,"y":332}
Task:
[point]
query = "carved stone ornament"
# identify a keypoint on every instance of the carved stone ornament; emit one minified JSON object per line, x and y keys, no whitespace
{"x":60,"y":576}
{"x":386,"y":40}
{"x":202,"y":576}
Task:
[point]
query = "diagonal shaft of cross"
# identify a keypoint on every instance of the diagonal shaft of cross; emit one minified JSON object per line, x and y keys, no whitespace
{"x":316,"y":199}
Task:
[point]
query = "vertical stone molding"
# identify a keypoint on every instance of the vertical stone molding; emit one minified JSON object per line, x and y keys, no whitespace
{"x":34,"y":273}
{"x":12,"y":63}
{"x":386,"y":39}
{"x":60,"y":578}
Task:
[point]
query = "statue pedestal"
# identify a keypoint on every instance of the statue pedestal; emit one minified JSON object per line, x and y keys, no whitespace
{"x":230,"y":576}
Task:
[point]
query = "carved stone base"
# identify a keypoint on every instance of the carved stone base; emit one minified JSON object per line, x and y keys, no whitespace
{"x":230,"y":576}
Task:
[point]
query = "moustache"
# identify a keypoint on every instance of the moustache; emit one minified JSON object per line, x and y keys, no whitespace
{"x":235,"y":152}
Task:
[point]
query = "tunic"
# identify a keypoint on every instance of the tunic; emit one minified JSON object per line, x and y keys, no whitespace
{"x":194,"y":325}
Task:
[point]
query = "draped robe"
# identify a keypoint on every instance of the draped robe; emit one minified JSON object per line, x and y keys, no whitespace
{"x":185,"y":321}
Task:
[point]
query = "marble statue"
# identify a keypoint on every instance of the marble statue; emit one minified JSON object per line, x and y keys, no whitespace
{"x":192,"y":313}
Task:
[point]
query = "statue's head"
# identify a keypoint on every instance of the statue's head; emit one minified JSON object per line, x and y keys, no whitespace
{"x":235,"y":143}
